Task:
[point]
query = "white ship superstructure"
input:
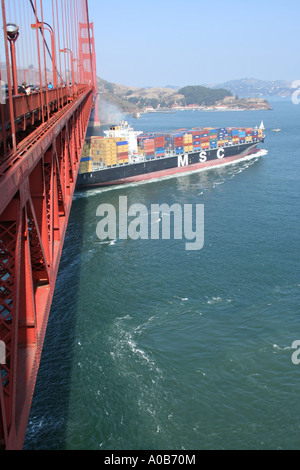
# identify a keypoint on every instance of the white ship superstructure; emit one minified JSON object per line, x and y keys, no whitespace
{"x":125,"y":131}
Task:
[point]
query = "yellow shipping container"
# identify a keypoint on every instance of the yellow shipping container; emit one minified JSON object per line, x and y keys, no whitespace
{"x":86,"y":169}
{"x":86,"y":164}
{"x":187,"y":138}
{"x":108,"y":149}
{"x":108,"y":155}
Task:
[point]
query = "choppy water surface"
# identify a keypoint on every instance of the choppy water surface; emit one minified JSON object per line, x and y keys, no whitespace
{"x":151,"y":346}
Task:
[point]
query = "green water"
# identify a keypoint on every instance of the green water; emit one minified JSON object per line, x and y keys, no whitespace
{"x":151,"y":346}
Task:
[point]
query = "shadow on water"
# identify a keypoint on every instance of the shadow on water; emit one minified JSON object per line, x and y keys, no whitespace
{"x":49,"y":411}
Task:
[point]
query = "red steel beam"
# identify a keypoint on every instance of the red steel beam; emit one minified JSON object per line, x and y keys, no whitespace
{"x":36,"y":197}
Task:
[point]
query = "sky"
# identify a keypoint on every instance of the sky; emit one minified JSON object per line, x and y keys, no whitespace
{"x":193,"y":42}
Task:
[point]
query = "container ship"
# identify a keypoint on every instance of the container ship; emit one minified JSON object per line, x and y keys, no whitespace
{"x":124,"y":155}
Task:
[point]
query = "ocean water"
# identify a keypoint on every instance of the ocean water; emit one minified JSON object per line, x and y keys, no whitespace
{"x":151,"y":346}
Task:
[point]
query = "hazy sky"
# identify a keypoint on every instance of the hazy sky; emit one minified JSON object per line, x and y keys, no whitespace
{"x":192,"y":42}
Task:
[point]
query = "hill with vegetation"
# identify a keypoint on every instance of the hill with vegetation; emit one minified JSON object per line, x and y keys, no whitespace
{"x":203,"y":96}
{"x":133,"y":99}
{"x":116,"y":99}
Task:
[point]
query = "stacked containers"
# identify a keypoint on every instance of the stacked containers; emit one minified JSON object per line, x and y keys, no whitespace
{"x":178,"y":143}
{"x":235,"y":136}
{"x":149,"y":147}
{"x":86,"y":151}
{"x":140,"y":145}
{"x":242,"y":136}
{"x":86,"y":165}
{"x":187,"y":142}
{"x":108,"y":152}
{"x":227,"y":137}
{"x":196,"y":136}
{"x":249,"y":135}
{"x":95,"y":148}
{"x":212,"y":133}
{"x":205,"y":139}
{"x":221,"y":137}
{"x":122,"y":151}
{"x":184,"y":140}
{"x":255,"y":135}
{"x":160,"y":143}
{"x":86,"y":162}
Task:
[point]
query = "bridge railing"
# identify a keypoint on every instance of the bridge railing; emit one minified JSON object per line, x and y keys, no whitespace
{"x":41,"y":139}
{"x":30,"y":111}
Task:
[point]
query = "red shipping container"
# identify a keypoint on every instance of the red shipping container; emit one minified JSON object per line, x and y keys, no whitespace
{"x":160,"y":141}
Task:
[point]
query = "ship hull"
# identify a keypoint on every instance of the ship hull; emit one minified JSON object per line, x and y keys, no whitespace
{"x":165,"y":166}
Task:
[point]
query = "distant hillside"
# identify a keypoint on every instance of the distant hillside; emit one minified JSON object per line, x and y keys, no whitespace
{"x":133,"y":99}
{"x":253,"y":88}
{"x":203,"y":96}
{"x":117,"y":100}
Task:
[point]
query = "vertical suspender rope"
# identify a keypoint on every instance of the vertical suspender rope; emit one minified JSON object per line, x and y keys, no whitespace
{"x":40,"y":70}
{"x":45,"y":63}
